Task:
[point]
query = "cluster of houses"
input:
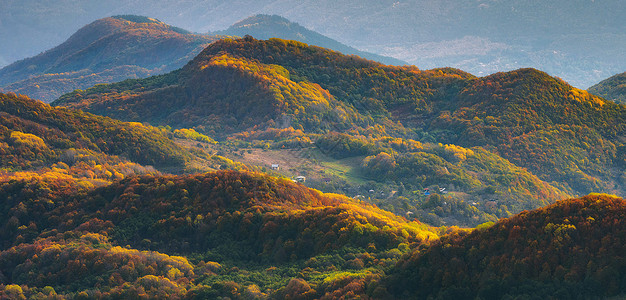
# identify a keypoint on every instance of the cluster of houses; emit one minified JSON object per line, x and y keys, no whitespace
{"x":276,"y":167}
{"x":441,"y":191}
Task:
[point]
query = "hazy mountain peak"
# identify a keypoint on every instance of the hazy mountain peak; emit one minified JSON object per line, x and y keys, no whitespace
{"x":262,"y":18}
{"x":137,"y":19}
{"x":273,"y":26}
{"x":143,"y":20}
{"x":106,"y":50}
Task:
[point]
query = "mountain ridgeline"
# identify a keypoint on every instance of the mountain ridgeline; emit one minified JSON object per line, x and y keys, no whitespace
{"x":273,"y":26}
{"x":563,"y":135}
{"x":480,"y":36}
{"x":107,"y":50}
{"x":128,"y":46}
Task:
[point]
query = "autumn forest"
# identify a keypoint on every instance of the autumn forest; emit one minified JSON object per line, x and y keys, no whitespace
{"x":165,"y":164}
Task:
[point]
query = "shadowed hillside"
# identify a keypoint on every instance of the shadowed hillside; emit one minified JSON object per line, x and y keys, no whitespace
{"x":34,"y":135}
{"x":573,"y":249}
{"x":613,"y":88}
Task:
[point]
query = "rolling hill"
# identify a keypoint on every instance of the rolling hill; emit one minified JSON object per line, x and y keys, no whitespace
{"x":571,"y":249}
{"x":268,"y":78}
{"x":107,"y":50}
{"x":612,"y":88}
{"x":36,"y":135}
{"x":234,"y":234}
{"x":246,"y":235}
{"x":534,"y":120}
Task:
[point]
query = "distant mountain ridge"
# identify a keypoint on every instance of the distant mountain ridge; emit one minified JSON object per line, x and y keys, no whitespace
{"x":481,"y":37}
{"x":107,"y":50}
{"x":264,"y":27}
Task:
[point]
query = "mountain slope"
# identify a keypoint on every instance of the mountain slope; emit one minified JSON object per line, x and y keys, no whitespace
{"x":294,"y":79}
{"x":571,"y":249}
{"x":264,"y":27}
{"x":613,"y":88}
{"x":526,"y":116}
{"x":540,"y":122}
{"x":223,"y":94}
{"x":107,"y":50}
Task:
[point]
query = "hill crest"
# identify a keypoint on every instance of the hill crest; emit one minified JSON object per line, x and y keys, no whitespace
{"x":561,"y":250}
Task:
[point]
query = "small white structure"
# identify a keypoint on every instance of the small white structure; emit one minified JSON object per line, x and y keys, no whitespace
{"x":300,"y":178}
{"x":275,"y":167}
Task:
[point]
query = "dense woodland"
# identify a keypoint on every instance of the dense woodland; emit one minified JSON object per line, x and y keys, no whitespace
{"x":246,"y":235}
{"x":573,"y":249}
{"x":35,"y":135}
{"x":233,"y":234}
{"x":562,"y":139}
{"x":87,"y":210}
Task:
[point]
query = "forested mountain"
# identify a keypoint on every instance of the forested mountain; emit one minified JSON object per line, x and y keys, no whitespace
{"x":573,"y":249}
{"x":612,"y":88}
{"x":324,"y":175}
{"x":107,"y":50}
{"x":267,"y":168}
{"x":561,"y":134}
{"x":239,"y":235}
{"x":265,"y":27}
